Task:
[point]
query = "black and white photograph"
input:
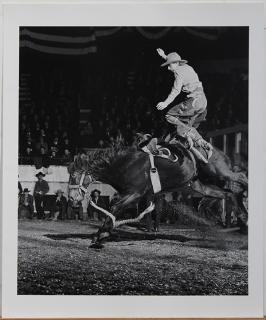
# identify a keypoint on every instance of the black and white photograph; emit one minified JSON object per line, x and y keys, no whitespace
{"x":133,"y":161}
{"x":134,"y":134}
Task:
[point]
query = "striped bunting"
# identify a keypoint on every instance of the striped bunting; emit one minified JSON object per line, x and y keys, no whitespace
{"x":64,"y":40}
{"x":59,"y":40}
{"x":83,"y":40}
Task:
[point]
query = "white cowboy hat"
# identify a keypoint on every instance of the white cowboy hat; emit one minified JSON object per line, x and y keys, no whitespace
{"x":172,"y":58}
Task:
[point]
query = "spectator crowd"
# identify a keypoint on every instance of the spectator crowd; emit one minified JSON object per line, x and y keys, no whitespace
{"x":127,"y":105}
{"x":119,"y":103}
{"x":43,"y":205}
{"x":43,"y":137}
{"x":52,"y":207}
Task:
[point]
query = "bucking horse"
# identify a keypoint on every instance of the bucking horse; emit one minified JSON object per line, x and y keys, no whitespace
{"x":138,"y":175}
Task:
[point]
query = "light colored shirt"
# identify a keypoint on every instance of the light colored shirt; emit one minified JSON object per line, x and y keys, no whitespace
{"x":186,"y":80}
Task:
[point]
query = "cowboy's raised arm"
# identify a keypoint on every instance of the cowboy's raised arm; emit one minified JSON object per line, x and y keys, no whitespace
{"x":175,"y":90}
{"x":161,"y":53}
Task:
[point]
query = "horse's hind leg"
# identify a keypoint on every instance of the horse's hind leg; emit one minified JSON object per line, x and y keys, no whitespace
{"x":208,"y":190}
{"x":219,"y":166}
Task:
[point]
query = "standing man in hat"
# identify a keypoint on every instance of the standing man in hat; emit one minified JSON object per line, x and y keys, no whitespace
{"x":26,"y":204}
{"x":41,"y":188}
{"x":188,"y":114}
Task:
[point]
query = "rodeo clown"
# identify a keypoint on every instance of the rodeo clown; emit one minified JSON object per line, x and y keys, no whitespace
{"x":188,"y":114}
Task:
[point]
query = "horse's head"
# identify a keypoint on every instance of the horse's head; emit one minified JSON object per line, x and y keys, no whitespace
{"x":78,"y":182}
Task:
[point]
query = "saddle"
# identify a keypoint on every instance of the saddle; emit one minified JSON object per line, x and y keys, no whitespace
{"x":154,"y":149}
{"x":150,"y":145}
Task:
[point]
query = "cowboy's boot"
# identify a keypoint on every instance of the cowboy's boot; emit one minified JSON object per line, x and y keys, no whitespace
{"x":198,"y":141}
{"x":194,"y":139}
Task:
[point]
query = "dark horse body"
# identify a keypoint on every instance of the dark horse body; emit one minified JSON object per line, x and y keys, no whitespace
{"x":128,"y":171}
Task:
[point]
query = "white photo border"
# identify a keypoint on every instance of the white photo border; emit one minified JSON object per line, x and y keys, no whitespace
{"x":132,"y":14}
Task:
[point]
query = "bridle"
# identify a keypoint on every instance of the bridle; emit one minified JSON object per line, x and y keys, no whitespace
{"x":81,"y":188}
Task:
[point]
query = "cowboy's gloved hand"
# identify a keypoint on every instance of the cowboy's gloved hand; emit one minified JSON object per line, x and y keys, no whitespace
{"x":194,"y":95}
{"x":161,"y":53}
{"x":161,"y":105}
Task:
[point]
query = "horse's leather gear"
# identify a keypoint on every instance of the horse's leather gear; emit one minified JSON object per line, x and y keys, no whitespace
{"x":201,"y":149}
{"x":143,"y":139}
{"x":157,"y":150}
{"x":153,"y":149}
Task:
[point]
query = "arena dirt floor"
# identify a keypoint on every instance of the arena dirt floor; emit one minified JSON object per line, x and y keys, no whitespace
{"x":55,"y":258}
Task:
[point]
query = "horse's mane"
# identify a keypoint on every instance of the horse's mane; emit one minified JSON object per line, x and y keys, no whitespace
{"x":96,"y":162}
{"x":99,"y":161}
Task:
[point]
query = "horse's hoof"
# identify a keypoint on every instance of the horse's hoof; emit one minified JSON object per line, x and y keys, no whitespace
{"x":104,"y":235}
{"x":96,"y":245}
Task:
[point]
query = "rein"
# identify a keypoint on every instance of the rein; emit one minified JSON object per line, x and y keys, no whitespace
{"x":80,"y":186}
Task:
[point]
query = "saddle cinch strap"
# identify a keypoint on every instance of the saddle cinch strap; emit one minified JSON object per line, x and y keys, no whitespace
{"x":154,"y":175}
{"x":155,"y":150}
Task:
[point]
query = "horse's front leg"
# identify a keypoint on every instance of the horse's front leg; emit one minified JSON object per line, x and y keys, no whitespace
{"x":110,"y":223}
{"x":103,"y":233}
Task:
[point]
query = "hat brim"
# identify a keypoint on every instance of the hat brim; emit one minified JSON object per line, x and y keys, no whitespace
{"x":169,"y":62}
{"x":39,"y":174}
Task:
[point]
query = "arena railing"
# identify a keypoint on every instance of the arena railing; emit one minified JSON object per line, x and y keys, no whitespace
{"x":233,"y":140}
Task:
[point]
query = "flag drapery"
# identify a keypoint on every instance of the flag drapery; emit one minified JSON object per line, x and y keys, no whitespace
{"x":83,"y":40}
{"x":64,"y":41}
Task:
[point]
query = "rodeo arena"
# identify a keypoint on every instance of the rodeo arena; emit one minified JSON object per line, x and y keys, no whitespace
{"x":133,"y":161}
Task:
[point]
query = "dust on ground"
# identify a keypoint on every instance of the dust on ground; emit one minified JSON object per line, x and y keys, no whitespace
{"x":55,"y":258}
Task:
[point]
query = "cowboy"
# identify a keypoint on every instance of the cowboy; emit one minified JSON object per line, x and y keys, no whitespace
{"x":41,"y":188}
{"x":188,"y":114}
